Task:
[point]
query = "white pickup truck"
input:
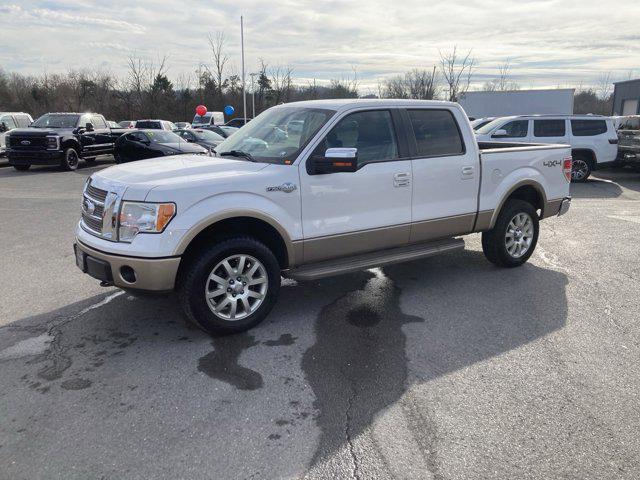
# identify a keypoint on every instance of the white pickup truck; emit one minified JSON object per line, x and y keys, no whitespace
{"x":353,"y":184}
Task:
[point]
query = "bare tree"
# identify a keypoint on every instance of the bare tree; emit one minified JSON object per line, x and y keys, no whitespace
{"x":281,"y":83}
{"x":605,"y":85}
{"x":457,"y":72}
{"x":418,"y":84}
{"x":220,"y":59}
{"x":503,"y":81}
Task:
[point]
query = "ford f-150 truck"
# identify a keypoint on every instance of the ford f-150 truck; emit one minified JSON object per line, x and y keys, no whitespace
{"x":61,"y":139}
{"x":362,"y":184}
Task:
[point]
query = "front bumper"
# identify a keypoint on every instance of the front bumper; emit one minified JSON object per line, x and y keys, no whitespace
{"x":628,"y":155}
{"x":34,"y":157}
{"x":135,"y":273}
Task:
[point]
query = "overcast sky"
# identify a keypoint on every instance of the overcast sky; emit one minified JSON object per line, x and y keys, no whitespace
{"x":548,"y":43}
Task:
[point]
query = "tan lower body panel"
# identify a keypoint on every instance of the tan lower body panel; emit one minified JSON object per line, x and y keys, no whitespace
{"x":441,"y":228}
{"x":336,"y":246}
{"x":153,"y":274}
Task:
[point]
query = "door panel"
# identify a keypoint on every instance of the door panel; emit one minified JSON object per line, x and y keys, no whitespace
{"x":366,"y":210}
{"x":446,"y":175}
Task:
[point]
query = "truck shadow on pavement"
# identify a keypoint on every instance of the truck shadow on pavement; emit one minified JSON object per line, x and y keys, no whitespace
{"x":374,"y":334}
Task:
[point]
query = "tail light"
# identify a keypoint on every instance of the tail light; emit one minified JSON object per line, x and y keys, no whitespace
{"x":566,"y":168}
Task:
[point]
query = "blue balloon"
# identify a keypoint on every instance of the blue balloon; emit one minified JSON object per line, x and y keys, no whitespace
{"x":228,"y":110}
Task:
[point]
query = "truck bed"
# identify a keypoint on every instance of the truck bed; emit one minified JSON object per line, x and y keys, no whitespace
{"x":506,"y":166}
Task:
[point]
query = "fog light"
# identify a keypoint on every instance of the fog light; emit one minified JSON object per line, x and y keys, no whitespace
{"x":128,"y":274}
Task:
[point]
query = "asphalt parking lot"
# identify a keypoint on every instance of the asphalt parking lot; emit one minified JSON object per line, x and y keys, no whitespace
{"x":446,"y":368}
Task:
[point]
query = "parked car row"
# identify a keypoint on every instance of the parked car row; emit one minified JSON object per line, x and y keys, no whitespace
{"x":67,"y":138}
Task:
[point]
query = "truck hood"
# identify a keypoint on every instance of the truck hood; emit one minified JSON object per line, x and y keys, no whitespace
{"x":40,"y":132}
{"x":141,"y":177}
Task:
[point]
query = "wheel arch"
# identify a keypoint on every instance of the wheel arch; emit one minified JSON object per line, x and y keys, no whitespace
{"x":528,"y":190}
{"x":71,"y":143}
{"x":247,"y":223}
{"x":588,"y":154}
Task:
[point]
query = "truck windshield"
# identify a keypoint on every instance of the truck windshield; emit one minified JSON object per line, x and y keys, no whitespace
{"x":56,"y":121}
{"x":202,"y":120}
{"x":278,"y":134}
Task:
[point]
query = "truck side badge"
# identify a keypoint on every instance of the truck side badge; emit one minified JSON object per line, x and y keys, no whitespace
{"x":287,"y":187}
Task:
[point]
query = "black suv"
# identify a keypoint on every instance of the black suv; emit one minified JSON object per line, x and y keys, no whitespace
{"x":61,"y":139}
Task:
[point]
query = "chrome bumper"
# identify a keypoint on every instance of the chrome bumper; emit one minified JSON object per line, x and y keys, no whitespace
{"x":564,"y":206}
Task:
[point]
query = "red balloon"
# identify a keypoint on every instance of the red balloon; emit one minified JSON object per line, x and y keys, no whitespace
{"x":201,"y":110}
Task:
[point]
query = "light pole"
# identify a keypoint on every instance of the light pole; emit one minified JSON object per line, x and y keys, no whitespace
{"x":253,"y":95}
{"x":244,"y":93}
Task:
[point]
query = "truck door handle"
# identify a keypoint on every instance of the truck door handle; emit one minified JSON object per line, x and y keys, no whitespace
{"x":467,"y":172}
{"x":402,"y":179}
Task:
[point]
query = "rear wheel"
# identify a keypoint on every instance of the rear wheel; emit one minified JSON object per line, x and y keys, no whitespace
{"x":580,"y":169}
{"x":70,"y":159}
{"x":231,"y":286}
{"x":513,"y":239}
{"x":22,"y":168}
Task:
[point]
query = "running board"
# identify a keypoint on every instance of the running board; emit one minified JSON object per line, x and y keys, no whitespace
{"x":380,"y":258}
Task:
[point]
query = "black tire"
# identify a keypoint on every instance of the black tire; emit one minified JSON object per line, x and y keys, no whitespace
{"x":494,"y":241}
{"x":22,"y":168}
{"x":70,"y":159}
{"x":581,"y":168}
{"x":194,"y":279}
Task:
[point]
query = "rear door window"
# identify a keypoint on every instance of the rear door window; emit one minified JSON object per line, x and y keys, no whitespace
{"x":549,"y":128}
{"x":436,"y":132}
{"x":587,"y":128}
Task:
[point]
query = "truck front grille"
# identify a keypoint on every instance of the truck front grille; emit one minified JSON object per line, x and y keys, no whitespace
{"x":27,"y":142}
{"x":93,"y":200}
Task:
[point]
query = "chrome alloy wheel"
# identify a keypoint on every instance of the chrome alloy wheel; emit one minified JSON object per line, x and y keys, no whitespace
{"x":579,"y":169}
{"x":519,"y":235}
{"x":236,"y":287}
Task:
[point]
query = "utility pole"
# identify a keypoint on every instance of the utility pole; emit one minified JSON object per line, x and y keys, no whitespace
{"x":253,"y":95}
{"x":244,"y":92}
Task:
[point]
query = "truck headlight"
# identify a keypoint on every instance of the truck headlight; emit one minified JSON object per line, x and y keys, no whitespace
{"x":143,"y":217}
{"x":52,"y":142}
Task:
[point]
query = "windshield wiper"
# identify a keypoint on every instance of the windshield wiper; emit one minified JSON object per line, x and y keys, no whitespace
{"x":238,"y":153}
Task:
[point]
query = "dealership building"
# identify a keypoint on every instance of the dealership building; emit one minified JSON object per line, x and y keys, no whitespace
{"x":626,"y":97}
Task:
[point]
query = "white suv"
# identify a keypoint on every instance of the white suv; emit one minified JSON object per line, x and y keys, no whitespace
{"x":593,"y":138}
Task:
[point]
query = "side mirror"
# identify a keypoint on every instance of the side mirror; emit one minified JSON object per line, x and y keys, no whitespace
{"x":89,"y":127}
{"x":500,"y":133}
{"x":3,"y":127}
{"x":336,"y":160}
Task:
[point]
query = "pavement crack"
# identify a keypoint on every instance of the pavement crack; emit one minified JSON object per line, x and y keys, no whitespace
{"x":55,"y":356}
{"x":347,"y":434}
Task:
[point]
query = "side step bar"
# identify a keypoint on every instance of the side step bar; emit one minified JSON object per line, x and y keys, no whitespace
{"x":380,"y":258}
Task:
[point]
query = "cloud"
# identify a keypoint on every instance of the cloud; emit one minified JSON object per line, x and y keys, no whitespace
{"x":548,"y":42}
{"x":60,"y":19}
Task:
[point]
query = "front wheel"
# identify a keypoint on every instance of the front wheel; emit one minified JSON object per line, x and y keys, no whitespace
{"x":513,"y":239}
{"x":22,"y":168}
{"x":231,"y":286}
{"x":70,"y":159}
